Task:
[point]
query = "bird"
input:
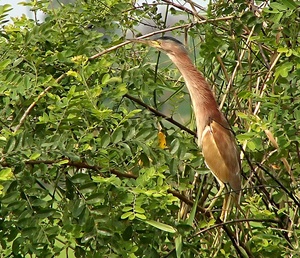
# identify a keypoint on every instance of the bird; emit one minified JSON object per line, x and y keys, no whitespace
{"x":214,"y":135}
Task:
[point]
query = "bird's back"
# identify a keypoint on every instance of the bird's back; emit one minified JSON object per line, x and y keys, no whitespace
{"x":221,"y":154}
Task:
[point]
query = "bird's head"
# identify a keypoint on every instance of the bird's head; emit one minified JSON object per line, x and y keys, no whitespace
{"x":168,"y":45}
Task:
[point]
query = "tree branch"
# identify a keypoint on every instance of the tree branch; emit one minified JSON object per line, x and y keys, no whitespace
{"x":157,"y":113}
{"x":81,"y":165}
{"x":26,"y":113}
{"x":96,"y":168}
{"x":159,"y":32}
{"x":294,"y":198}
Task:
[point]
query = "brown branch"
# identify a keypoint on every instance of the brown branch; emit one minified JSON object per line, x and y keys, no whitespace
{"x":129,"y":175}
{"x":96,"y":168}
{"x":289,"y":193}
{"x":185,"y":9}
{"x":159,"y":32}
{"x":221,"y":224}
{"x":26,"y":113}
{"x":188,"y":201}
{"x":28,"y":110}
{"x":235,"y":243}
{"x":157,"y":113}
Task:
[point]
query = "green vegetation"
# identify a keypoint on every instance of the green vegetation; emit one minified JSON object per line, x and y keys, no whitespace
{"x":91,"y":167}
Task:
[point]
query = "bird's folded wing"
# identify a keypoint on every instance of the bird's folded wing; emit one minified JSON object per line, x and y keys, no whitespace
{"x":221,"y":155}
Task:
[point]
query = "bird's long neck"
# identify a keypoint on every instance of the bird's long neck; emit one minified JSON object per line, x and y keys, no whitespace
{"x":204,"y":103}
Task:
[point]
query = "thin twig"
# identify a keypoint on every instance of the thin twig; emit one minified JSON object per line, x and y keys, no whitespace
{"x":129,"y":175}
{"x":185,"y":9}
{"x":234,"y":222}
{"x":157,"y":113}
{"x":26,"y":113}
{"x":159,"y":32}
{"x":235,"y":71}
{"x":280,"y":184}
{"x":267,"y":78}
{"x":83,"y":165}
{"x":283,"y":159}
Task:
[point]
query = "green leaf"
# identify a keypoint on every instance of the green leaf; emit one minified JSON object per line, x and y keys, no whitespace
{"x":126,"y":215}
{"x":80,"y":178}
{"x":6,"y":174}
{"x":78,"y":208}
{"x":193,"y":212}
{"x":140,"y":216}
{"x":117,"y":135}
{"x":105,"y":78}
{"x":10,"y":197}
{"x":131,"y":114}
{"x":139,"y":209}
{"x":45,"y":213}
{"x":35,"y":156}
{"x":161,"y":226}
{"x":110,"y":180}
{"x":290,"y":4}
{"x":4,"y":64}
{"x":105,"y":140}
{"x":278,"y":6}
{"x":132,"y":216}
{"x":26,"y":81}
{"x":127,"y":208}
{"x":130,"y":133}
{"x":284,"y":69}
{"x":5,"y":8}
{"x":282,"y":50}
{"x":89,"y":187}
{"x":178,"y":246}
{"x":18,"y":61}
{"x":242,"y":115}
{"x":104,"y":232}
{"x":62,"y":162}
{"x":174,"y":146}
{"x":251,"y":145}
{"x":96,"y":91}
{"x":10,"y":145}
{"x":144,"y":134}
{"x":245,"y":94}
{"x":121,"y":90}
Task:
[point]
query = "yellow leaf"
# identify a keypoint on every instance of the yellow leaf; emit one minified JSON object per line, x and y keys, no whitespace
{"x":72,"y":73}
{"x":161,"y":140}
{"x":6,"y":174}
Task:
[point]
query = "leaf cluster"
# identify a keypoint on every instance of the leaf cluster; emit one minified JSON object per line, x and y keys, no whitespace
{"x":98,"y":156}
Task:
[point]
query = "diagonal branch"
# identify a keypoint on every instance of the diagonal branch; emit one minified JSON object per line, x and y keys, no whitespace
{"x":81,"y":165}
{"x":28,"y":110}
{"x":187,"y":25}
{"x":181,"y":197}
{"x":157,"y":113}
{"x":289,"y":193}
{"x":32,"y":105}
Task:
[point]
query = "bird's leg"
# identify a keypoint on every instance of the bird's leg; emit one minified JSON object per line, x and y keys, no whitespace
{"x":226,"y":206}
{"x":222,"y":186}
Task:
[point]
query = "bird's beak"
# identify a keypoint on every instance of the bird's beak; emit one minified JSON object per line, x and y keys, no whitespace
{"x":149,"y":42}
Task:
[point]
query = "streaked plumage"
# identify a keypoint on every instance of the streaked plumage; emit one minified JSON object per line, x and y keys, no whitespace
{"x":214,"y":135}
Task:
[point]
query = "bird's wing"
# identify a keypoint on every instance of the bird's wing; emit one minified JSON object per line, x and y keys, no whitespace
{"x":221,"y":155}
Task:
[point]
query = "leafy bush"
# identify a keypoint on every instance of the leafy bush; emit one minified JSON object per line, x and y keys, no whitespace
{"x":98,"y":157}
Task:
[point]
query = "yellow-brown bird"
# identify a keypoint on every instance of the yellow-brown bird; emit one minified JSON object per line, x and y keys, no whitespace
{"x":214,"y":135}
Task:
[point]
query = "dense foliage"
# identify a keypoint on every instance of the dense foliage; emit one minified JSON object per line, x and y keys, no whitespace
{"x":98,"y":151}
